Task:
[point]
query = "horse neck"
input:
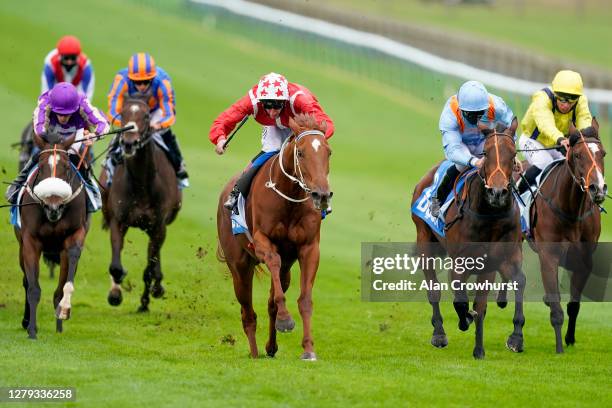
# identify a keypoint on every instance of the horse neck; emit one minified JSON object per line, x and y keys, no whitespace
{"x":141,"y":167}
{"x":567,"y":194}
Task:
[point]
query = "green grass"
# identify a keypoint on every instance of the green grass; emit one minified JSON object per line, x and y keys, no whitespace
{"x":183,"y":352}
{"x":548,"y":27}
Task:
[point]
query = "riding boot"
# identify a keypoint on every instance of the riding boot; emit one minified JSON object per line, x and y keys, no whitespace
{"x":243,"y":185}
{"x":232,"y":198}
{"x":12,"y":192}
{"x":176,"y":157}
{"x":446,"y":184}
{"x":530,"y":175}
{"x":94,"y":197}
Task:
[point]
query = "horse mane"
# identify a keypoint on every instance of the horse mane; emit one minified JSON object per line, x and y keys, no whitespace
{"x":306,"y":121}
{"x":586,"y":132}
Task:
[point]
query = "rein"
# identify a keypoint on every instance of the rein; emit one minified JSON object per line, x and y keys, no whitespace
{"x":296,"y":167}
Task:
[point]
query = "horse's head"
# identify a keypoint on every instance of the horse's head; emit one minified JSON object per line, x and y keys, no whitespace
{"x":53,"y":189}
{"x":499,"y":156}
{"x":311,"y":158}
{"x":585,"y":158}
{"x":135,"y":112}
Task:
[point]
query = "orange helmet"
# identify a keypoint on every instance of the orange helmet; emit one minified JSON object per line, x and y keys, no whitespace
{"x":69,"y":45}
{"x":141,"y":67}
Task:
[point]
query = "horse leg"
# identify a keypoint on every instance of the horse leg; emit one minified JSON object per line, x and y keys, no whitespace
{"x":31,"y":257}
{"x":549,"y":263}
{"x":266,"y":251}
{"x":243,"y":288}
{"x":156,"y":240}
{"x":462,"y":304}
{"x":58,"y":294}
{"x":513,"y":272}
{"x":26,"y":313}
{"x":480,"y":309}
{"x":117,"y":235}
{"x":577,"y":283}
{"x":438,"y":338}
{"x":70,"y":257}
{"x":271,"y":345}
{"x":308,"y":256}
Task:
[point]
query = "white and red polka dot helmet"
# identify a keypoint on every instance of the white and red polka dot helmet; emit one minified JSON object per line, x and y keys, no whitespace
{"x":272,"y":86}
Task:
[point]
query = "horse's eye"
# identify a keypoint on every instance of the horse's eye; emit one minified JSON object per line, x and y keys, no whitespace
{"x":330,"y":153}
{"x":300,"y":154}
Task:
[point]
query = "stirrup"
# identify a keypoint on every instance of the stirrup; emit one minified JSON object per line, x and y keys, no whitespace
{"x":231,"y":201}
{"x":434,"y":209}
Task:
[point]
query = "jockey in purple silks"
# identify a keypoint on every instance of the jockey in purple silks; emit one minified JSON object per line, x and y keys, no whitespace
{"x":64,"y":111}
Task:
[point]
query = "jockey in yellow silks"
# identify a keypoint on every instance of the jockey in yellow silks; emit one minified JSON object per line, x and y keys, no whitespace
{"x":547,"y":121}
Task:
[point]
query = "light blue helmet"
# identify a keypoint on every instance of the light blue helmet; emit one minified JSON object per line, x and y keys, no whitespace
{"x":473,"y":96}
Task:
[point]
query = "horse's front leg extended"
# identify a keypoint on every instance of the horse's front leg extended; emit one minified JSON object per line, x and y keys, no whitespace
{"x":511,"y":271}
{"x":266,"y":252}
{"x":308,"y":256}
{"x":549,"y":263}
{"x":31,"y":250}
{"x":156,"y":240}
{"x":71,"y":254}
{"x":117,"y":234}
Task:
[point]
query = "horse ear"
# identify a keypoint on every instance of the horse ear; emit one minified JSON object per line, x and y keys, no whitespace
{"x":595,"y":124}
{"x":572,"y":129}
{"x":294,"y":126}
{"x":323,"y":126}
{"x":513,"y":125}
{"x":39,"y":141}
{"x":66,"y":143}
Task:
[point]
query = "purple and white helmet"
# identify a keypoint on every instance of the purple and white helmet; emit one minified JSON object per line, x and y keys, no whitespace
{"x":64,"y":98}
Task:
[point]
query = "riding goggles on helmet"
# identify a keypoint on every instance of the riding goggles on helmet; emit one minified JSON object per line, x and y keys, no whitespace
{"x":473,"y":117}
{"x":567,"y":98}
{"x":273,"y":104}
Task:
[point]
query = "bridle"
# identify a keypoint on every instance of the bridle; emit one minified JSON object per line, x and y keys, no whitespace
{"x":582,"y":182}
{"x":145,"y":135}
{"x":299,"y":180}
{"x":487,"y":178}
{"x":30,"y":190}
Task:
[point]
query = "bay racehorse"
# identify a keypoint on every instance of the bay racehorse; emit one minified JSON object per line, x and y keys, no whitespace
{"x":566,"y":222}
{"x":144,"y":194}
{"x":485,"y":212}
{"x":54,"y":223}
{"x":283,"y":213}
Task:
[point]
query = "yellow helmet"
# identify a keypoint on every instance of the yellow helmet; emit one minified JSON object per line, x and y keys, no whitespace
{"x":568,"y":82}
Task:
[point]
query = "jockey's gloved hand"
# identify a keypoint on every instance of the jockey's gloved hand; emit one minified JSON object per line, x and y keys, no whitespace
{"x":220,"y":148}
{"x":89,"y":138}
{"x":563,"y":145}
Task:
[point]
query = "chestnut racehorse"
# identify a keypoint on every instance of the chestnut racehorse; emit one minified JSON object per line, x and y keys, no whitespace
{"x":283,"y":213}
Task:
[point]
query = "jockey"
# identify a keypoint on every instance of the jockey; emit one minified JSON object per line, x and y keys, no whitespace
{"x":271,"y":102}
{"x":142,"y":79}
{"x":462,"y":140}
{"x":67,"y":63}
{"x":65,"y":111}
{"x":547,"y":122}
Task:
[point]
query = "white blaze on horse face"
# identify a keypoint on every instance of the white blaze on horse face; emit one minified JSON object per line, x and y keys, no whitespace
{"x":53,"y":160}
{"x":316,"y":143}
{"x":132,"y":123}
{"x":594,"y":148}
{"x":134,"y":108}
{"x":64,"y":304}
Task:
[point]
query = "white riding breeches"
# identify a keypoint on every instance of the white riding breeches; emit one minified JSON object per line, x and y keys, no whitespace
{"x":538,"y":158}
{"x":272,"y":137}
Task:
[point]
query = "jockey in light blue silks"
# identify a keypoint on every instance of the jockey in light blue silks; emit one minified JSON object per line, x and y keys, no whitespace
{"x":463,"y":142}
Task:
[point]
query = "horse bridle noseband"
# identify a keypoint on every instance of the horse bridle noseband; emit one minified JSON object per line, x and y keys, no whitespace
{"x":296,"y":167}
{"x":584,"y":187}
{"x":485,"y":179}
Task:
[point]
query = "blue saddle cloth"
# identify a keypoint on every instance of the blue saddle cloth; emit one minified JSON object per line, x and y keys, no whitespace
{"x":422,"y":205}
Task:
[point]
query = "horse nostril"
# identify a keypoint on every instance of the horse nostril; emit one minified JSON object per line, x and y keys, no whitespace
{"x":316,"y":195}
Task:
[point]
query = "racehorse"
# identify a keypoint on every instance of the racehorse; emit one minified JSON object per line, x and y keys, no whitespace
{"x":283,"y":213}
{"x":143,"y":193}
{"x":484,"y":213}
{"x":566,"y":212}
{"x":54,"y":222}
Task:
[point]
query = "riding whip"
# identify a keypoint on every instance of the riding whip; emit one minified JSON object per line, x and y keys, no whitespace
{"x":242,"y":122}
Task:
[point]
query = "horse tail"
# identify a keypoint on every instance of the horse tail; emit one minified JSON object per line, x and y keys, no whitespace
{"x":51,"y":258}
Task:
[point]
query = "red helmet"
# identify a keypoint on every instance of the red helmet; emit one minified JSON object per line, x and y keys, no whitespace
{"x":69,"y":45}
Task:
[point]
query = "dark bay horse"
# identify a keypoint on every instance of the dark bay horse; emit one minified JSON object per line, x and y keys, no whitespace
{"x":54,"y":223}
{"x":283,"y":213}
{"x":143,"y":194}
{"x":566,"y":213}
{"x":488,"y":214}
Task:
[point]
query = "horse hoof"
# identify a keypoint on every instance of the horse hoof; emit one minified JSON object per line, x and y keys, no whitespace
{"x":62,"y":313}
{"x":271,"y":350}
{"x":515,"y":343}
{"x":284,"y":326}
{"x":25,"y":323}
{"x":308,"y":356}
{"x":478,"y":353}
{"x":502,"y":305}
{"x":158,"y":291}
{"x":143,"y":309}
{"x":439,"y":340}
{"x":569,"y":340}
{"x":115,"y":297}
